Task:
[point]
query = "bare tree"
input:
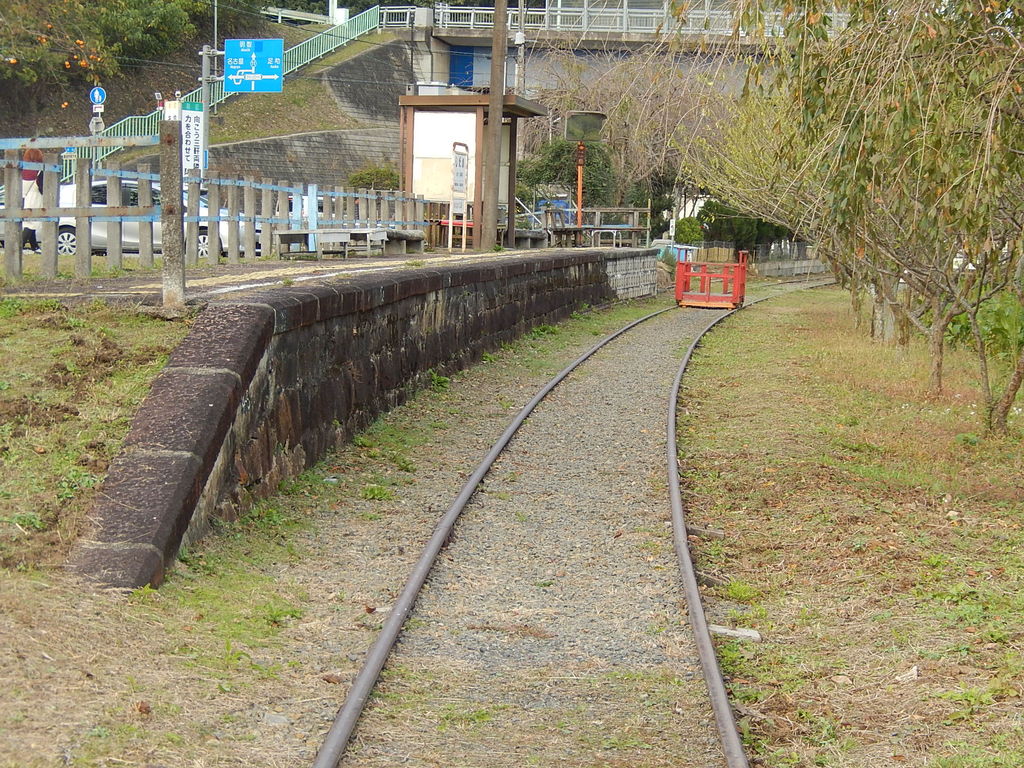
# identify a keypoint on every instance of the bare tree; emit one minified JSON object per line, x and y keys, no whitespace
{"x":653,"y":97}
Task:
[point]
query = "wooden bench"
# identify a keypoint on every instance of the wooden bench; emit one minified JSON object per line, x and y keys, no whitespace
{"x":343,"y":239}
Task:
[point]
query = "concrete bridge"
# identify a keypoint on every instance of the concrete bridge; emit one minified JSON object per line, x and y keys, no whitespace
{"x":459,"y":37}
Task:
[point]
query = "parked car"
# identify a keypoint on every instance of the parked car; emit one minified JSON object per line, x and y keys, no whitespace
{"x":67,"y":234}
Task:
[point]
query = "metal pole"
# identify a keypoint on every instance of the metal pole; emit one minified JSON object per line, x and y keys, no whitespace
{"x":488,"y":227}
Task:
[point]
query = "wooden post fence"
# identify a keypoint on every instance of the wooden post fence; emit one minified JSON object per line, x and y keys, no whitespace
{"x":171,"y":214}
{"x":12,"y":229}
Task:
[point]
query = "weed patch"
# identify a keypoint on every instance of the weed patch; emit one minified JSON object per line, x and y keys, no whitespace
{"x":873,"y":535}
{"x":72,"y":380}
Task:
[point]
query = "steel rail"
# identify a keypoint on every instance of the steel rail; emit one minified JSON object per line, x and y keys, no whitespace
{"x":728,"y":733}
{"x":336,"y":740}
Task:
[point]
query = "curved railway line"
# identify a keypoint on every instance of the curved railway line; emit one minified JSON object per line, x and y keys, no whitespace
{"x":541,"y":643}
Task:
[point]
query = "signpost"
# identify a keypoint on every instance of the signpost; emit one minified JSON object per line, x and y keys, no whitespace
{"x":581,"y":161}
{"x":460,"y":189}
{"x":97,"y":96}
{"x":254,"y":66}
{"x":193,"y":135}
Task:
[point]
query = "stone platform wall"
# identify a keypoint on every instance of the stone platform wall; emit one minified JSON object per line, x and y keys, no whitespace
{"x":788,"y":267}
{"x":261,"y":390}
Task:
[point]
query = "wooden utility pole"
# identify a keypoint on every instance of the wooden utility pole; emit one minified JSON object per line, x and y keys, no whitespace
{"x":171,"y":215}
{"x":486,"y":225}
{"x":521,"y":51}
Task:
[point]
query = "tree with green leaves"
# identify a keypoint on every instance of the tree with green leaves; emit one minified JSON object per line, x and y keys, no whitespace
{"x":688,"y":231}
{"x":721,"y":221}
{"x":555,"y":164}
{"x":47,"y":47}
{"x":898,"y":143}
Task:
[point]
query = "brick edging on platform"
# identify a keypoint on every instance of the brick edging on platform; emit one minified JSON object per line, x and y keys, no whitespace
{"x":260,"y":390}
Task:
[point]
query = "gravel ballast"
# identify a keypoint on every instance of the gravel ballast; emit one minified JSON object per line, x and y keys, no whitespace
{"x":551,"y":632}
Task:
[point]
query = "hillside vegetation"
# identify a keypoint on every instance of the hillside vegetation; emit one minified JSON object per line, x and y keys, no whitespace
{"x":306,"y":104}
{"x":51,"y":54}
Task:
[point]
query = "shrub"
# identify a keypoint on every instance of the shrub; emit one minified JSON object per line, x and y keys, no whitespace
{"x":375,"y":177}
{"x":688,"y":230}
{"x":555,"y":163}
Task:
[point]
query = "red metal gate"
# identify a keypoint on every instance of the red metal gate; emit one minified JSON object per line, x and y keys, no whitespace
{"x":707,"y":284}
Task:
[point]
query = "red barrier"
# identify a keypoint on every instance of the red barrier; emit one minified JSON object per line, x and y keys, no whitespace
{"x":719,"y":286}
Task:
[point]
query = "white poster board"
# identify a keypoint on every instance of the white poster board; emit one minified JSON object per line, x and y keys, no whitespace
{"x":459,"y":190}
{"x":193,"y":153}
{"x":433,"y":135}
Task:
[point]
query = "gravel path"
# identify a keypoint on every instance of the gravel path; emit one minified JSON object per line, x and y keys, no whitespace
{"x":551,"y":632}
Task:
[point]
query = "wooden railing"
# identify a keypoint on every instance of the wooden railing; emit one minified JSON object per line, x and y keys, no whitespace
{"x":114,"y":211}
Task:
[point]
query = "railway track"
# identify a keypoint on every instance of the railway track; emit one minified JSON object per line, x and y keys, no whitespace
{"x":537,"y":642}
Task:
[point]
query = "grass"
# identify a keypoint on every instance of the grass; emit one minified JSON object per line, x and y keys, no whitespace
{"x":878,"y":550}
{"x":32,"y":268}
{"x":207,"y":651}
{"x":163,"y":667}
{"x":70,"y":384}
{"x":305,"y":104}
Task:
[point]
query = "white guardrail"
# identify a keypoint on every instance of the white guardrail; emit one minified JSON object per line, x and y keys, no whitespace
{"x":608,"y":17}
{"x":280,"y":14}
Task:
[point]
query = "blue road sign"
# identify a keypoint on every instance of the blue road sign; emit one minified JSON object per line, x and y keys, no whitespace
{"x":97,"y":95}
{"x":254,"y":66}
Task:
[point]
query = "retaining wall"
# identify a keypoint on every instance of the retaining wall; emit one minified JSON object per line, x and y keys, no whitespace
{"x":261,"y":390}
{"x":788,"y":267}
{"x":322,"y":157}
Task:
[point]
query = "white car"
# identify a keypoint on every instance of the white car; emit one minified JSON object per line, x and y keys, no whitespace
{"x":67,"y":236}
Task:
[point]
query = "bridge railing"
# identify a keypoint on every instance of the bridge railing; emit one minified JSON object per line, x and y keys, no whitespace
{"x":397,"y":16}
{"x":605,"y":18}
{"x":301,"y":16}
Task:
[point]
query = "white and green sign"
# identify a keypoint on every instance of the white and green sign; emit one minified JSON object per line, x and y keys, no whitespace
{"x":193,"y":149}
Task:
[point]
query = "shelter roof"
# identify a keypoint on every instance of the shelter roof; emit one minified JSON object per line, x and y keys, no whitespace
{"x":514,"y":106}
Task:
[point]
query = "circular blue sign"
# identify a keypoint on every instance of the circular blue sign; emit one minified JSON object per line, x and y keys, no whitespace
{"x":97,"y":95}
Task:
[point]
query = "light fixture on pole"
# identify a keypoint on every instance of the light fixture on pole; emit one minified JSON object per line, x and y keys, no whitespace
{"x":582,"y":127}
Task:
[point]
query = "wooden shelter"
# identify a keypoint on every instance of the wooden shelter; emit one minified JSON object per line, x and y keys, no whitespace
{"x":424,"y":175}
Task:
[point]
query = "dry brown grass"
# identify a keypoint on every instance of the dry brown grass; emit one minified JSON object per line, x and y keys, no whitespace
{"x":873,"y":538}
{"x":69,"y":387}
{"x":242,"y":657}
